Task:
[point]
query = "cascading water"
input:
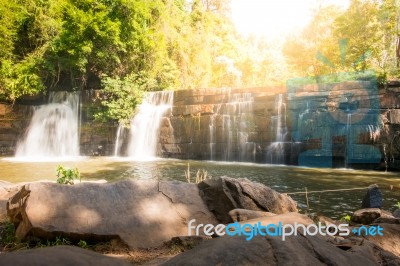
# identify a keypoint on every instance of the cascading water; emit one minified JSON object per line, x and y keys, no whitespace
{"x":275,"y":151}
{"x":119,"y":140}
{"x":235,"y":121}
{"x":53,"y":130}
{"x":145,"y":125}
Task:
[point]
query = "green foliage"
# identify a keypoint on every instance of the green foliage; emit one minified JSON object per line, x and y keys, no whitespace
{"x":119,"y":99}
{"x":8,"y":236}
{"x":370,"y":29}
{"x":82,"y":244}
{"x":346,"y":218}
{"x":58,"y":241}
{"x":127,"y":47}
{"x":397,"y":205}
{"x":67,"y":175}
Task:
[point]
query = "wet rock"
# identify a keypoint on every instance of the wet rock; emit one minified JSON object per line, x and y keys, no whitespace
{"x":369,"y":215}
{"x":224,"y":194}
{"x":244,"y":215}
{"x":140,"y":213}
{"x":300,"y":250}
{"x":58,"y":255}
{"x":373,"y":198}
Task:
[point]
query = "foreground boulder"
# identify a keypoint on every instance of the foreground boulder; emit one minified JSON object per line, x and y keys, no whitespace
{"x":139,"y":212}
{"x":224,"y":194}
{"x":58,"y":255}
{"x":390,"y":239}
{"x":300,"y":250}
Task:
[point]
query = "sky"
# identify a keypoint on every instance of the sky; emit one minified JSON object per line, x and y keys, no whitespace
{"x":275,"y":18}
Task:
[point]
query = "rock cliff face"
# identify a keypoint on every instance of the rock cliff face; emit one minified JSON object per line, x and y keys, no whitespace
{"x":350,"y":124}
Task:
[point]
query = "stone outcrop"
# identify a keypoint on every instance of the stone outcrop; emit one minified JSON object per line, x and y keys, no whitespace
{"x":373,"y":198}
{"x":300,"y":250}
{"x":224,"y":194}
{"x":141,"y":213}
{"x":369,"y":215}
{"x":59,"y":255}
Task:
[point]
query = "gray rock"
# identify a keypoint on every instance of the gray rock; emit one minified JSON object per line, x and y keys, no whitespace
{"x":300,"y":250}
{"x":58,"y":255}
{"x":140,"y":213}
{"x":373,"y":198}
{"x":224,"y":194}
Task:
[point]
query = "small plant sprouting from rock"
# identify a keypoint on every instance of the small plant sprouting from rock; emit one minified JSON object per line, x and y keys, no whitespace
{"x":346,"y":218}
{"x":201,"y":175}
{"x":83,"y":244}
{"x":8,"y":234}
{"x":67,"y":175}
{"x":397,"y":205}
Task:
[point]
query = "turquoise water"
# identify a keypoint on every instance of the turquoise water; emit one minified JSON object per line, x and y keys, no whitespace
{"x":284,"y":179}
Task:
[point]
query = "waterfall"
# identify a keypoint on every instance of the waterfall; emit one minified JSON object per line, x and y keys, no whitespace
{"x":119,"y":140}
{"x":275,"y":151}
{"x":145,"y":125}
{"x":231,"y":126}
{"x":53,"y":130}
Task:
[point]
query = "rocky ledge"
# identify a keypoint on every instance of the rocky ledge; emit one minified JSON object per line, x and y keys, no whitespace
{"x":144,"y":214}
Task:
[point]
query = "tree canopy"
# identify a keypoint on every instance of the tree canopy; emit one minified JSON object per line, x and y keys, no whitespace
{"x":179,"y":44}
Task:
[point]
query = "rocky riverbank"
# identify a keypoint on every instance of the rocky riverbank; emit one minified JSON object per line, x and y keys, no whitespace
{"x":148,"y":221}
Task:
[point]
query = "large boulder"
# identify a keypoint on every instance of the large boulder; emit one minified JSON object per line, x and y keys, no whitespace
{"x":224,"y":194}
{"x":141,"y":213}
{"x":300,"y":250}
{"x":58,"y":255}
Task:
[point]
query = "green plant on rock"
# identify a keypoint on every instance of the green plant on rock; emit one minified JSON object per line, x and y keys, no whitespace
{"x":8,"y":235}
{"x":346,"y":218}
{"x":397,"y":205}
{"x":67,"y":175}
{"x":83,"y":244}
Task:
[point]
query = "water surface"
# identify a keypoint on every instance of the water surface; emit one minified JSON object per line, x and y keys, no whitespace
{"x":284,"y":179}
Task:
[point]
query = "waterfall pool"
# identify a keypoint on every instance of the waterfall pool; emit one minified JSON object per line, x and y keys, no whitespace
{"x":284,"y":179}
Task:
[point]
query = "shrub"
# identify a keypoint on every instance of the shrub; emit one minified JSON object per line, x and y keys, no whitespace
{"x":67,"y":175}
